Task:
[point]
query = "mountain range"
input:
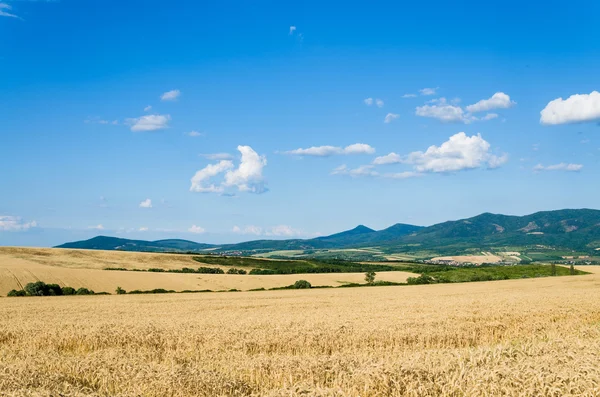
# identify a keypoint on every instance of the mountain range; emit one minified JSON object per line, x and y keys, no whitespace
{"x":574,"y":229}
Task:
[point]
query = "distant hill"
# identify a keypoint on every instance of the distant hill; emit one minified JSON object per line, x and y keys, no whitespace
{"x":576,"y":229}
{"x":122,"y":244}
{"x":360,"y":235}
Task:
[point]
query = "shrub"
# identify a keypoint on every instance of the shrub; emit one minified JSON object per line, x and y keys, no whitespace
{"x":233,"y":270}
{"x":15,"y":292}
{"x":302,"y":284}
{"x":262,"y":271}
{"x":120,"y":291}
{"x":422,"y":279}
{"x":152,"y":291}
{"x":54,"y":289}
{"x":210,"y":270}
{"x":84,"y":291}
{"x":68,"y":291}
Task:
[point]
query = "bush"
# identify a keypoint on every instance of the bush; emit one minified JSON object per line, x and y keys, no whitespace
{"x":54,"y":289}
{"x":262,"y":271}
{"x":422,"y":279}
{"x":15,"y":292}
{"x":302,"y":284}
{"x":120,"y":291}
{"x":84,"y":291}
{"x":68,"y":291}
{"x":152,"y":291}
{"x":210,"y":270}
{"x":233,"y":270}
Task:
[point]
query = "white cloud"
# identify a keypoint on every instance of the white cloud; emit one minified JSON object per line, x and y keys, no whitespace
{"x":440,"y":109}
{"x":248,"y":176}
{"x":358,"y":148}
{"x":444,"y":112}
{"x":97,"y":227}
{"x":409,"y":95}
{"x":489,"y":116}
{"x":15,"y":224}
{"x":196,"y":229}
{"x":459,"y":152}
{"x":143,"y":229}
{"x":194,"y":133}
{"x":559,"y":167}
{"x":203,"y":175}
{"x":392,"y":158}
{"x":498,"y":101}
{"x":217,"y":156}
{"x":402,"y":175}
{"x":170,"y":95}
{"x":577,"y":108}
{"x":151,"y":122}
{"x":324,"y":151}
{"x":370,"y":101}
{"x":390,"y":117}
{"x":292,"y":29}
{"x":3,"y":13}
{"x":428,"y":91}
{"x":283,"y":230}
{"x":279,"y":230}
{"x":251,"y":229}
{"x":146,"y":204}
{"x":363,"y":170}
{"x":148,"y":108}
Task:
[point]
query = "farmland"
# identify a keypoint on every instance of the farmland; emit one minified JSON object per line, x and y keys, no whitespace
{"x":515,"y":337}
{"x":84,"y":268}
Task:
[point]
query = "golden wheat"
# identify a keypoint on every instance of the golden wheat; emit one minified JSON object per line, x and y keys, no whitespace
{"x":533,"y":337}
{"x":82,"y":268}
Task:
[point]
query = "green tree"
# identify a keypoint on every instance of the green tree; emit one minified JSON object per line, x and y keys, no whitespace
{"x":370,"y":277}
{"x":572,"y":270}
{"x":39,"y":288}
{"x":553,"y":269}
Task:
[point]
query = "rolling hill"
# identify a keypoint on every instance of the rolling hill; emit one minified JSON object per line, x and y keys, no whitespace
{"x":576,"y":229}
{"x":573,"y":229}
{"x":122,"y":244}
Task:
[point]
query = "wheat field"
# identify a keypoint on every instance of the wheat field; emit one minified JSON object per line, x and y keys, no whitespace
{"x":530,"y":337}
{"x":83,"y":268}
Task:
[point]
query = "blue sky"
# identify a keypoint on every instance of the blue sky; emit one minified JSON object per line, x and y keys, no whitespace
{"x":232,"y":121}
